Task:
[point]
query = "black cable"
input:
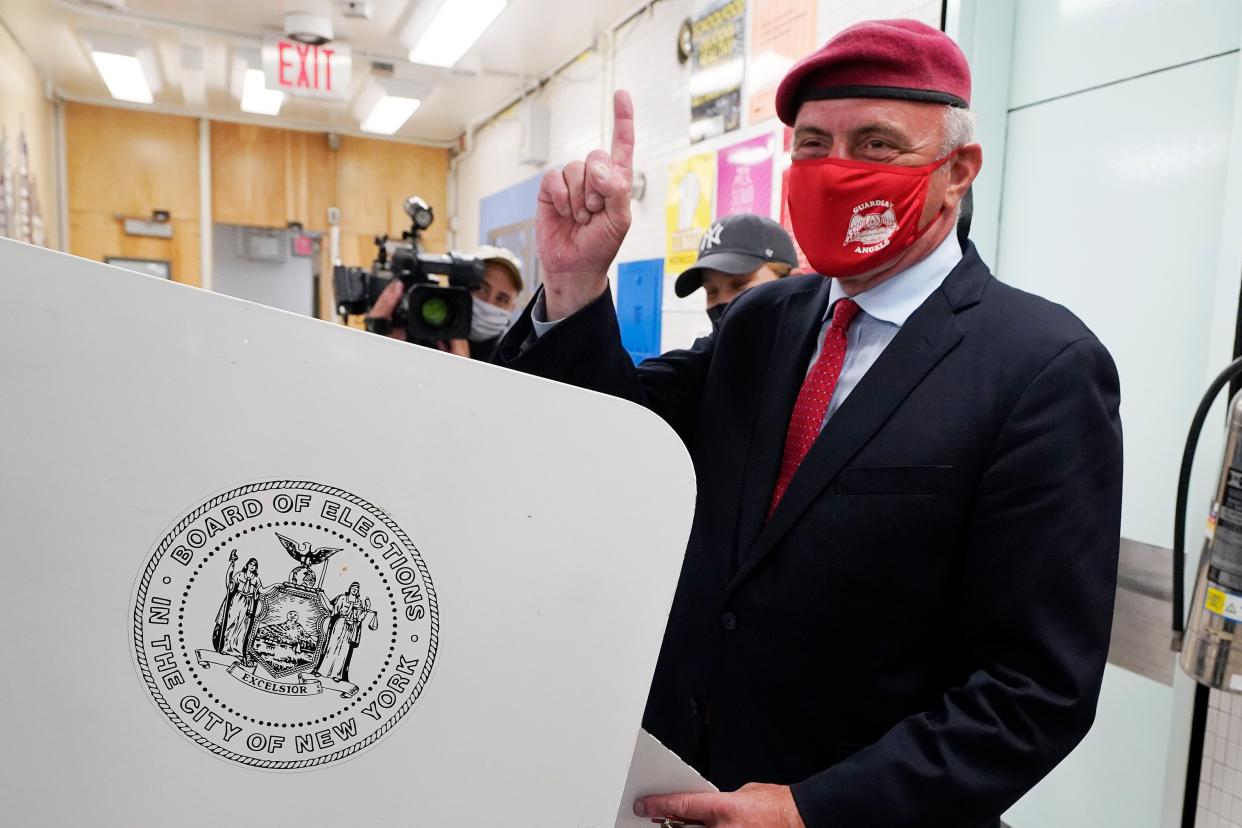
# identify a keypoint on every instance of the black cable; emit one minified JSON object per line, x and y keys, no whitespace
{"x":1194,"y":757}
{"x":1231,"y":372}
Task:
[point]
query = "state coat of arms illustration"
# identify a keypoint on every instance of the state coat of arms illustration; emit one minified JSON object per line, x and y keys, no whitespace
{"x":285,"y":624}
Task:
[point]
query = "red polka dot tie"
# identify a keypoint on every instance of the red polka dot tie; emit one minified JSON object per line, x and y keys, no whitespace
{"x":813,"y":399}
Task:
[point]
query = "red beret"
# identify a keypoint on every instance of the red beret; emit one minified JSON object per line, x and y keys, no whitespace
{"x":902,"y":59}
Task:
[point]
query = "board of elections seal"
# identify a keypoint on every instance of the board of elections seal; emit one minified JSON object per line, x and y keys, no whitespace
{"x":285,"y":624}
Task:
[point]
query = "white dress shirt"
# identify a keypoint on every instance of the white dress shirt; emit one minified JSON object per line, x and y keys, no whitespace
{"x":885,"y":308}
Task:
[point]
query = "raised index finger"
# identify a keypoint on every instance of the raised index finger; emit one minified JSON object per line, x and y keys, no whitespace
{"x":623,"y":131}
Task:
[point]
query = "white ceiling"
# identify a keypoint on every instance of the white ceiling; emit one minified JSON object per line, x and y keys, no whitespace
{"x":520,"y":47}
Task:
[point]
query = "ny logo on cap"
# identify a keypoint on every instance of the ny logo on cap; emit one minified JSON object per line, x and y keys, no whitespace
{"x":711,"y":238}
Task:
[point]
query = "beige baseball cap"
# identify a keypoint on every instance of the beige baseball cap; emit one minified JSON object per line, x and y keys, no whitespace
{"x":503,"y":256}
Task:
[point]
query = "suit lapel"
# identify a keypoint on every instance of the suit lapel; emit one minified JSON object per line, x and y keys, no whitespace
{"x":928,"y":335}
{"x":796,"y":336}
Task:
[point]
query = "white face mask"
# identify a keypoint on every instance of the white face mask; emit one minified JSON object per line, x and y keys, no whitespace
{"x":487,"y":320}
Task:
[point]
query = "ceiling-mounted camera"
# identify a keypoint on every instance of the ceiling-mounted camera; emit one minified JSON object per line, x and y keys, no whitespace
{"x":309,"y":27}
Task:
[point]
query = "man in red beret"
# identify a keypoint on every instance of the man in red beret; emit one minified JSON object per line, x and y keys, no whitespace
{"x":895,"y":604}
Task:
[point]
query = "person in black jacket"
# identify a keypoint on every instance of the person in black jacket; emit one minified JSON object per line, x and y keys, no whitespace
{"x":895,"y":603}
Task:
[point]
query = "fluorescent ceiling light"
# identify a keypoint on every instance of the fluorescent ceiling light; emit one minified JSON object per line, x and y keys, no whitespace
{"x":388,"y":114}
{"x":124,"y":77}
{"x":127,"y":65}
{"x":453,"y":30}
{"x":385,"y":103}
{"x":257,"y":98}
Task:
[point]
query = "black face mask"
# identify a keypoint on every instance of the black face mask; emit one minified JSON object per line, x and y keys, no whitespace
{"x":714,"y":313}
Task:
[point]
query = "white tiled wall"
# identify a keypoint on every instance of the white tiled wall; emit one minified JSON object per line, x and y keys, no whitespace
{"x":1220,"y":778}
{"x":644,"y":62}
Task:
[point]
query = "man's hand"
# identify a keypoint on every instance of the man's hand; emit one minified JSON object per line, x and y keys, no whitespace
{"x":583,"y":214}
{"x":386,"y":304}
{"x":754,"y":806}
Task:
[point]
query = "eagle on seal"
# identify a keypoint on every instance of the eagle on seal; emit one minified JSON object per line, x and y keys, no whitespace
{"x":302,"y":553}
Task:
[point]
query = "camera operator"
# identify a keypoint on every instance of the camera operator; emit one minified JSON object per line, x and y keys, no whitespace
{"x":493,"y":302}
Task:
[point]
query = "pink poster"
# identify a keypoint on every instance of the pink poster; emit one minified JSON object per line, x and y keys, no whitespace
{"x":744,"y":177}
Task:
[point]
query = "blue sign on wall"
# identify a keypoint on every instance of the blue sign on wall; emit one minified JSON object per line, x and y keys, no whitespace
{"x":507,"y":219}
{"x":512,"y":205}
{"x":640,"y":292}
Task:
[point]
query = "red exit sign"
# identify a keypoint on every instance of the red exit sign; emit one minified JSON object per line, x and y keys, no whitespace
{"x":302,"y":69}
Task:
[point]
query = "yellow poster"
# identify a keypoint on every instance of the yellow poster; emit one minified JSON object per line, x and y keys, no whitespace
{"x":688,"y":208}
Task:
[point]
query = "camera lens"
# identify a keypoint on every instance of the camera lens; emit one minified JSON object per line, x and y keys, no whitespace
{"x":435,"y":312}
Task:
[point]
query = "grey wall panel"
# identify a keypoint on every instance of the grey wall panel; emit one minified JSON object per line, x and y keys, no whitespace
{"x":1062,"y":46}
{"x":1112,"y":207}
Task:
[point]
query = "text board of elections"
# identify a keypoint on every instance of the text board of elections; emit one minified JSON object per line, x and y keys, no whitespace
{"x":268,"y":568}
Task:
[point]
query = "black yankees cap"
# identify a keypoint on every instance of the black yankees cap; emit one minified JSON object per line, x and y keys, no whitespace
{"x":737,"y":244}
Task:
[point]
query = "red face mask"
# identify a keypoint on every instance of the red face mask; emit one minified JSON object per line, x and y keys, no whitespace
{"x":853,"y":216}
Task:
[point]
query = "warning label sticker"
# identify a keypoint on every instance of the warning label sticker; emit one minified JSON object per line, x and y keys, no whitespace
{"x":1224,"y":603}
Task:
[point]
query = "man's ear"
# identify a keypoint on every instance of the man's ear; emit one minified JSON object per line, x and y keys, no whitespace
{"x":963,"y":170}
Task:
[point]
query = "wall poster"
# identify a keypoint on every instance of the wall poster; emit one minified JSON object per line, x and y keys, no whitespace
{"x":640,"y":291}
{"x":744,"y":177}
{"x":782,"y":32}
{"x":719,"y":66}
{"x":688,"y":208}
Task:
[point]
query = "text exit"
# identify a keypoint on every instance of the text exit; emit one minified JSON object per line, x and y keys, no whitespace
{"x":303,"y":69}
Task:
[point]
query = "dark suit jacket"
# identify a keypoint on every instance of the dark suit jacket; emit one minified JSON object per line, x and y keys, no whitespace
{"x":484,"y":350}
{"x":918,"y":634}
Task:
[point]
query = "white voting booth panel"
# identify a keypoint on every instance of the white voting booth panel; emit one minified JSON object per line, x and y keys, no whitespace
{"x":654,"y":769}
{"x":459,"y":584}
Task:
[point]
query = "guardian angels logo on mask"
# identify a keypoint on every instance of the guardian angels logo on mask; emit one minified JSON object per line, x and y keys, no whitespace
{"x":871,"y":226}
{"x":285,"y":624}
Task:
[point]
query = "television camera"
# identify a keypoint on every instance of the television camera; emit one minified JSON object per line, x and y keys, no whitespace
{"x":429,"y":310}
